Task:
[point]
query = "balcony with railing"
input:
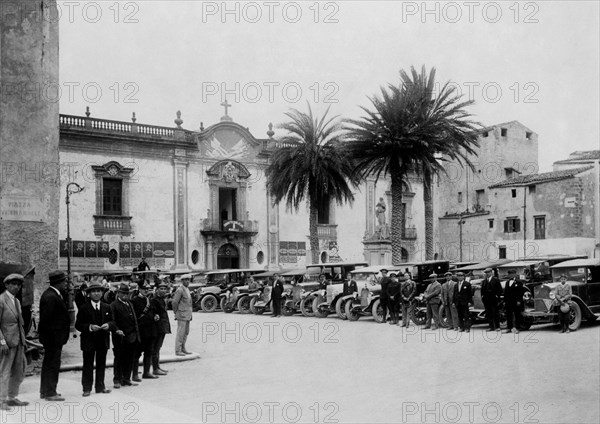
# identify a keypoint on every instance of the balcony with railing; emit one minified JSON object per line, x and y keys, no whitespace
{"x":327,"y":231}
{"x":384,"y":232}
{"x":229,"y":226}
{"x":111,"y":224}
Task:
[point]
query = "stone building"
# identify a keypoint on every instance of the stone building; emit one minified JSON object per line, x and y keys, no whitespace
{"x":198,"y":200}
{"x":504,"y":208}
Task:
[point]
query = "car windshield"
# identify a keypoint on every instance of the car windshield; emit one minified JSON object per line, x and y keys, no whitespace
{"x":212,"y":279}
{"x":364,"y":276}
{"x":573,"y":274}
{"x":521,"y":271}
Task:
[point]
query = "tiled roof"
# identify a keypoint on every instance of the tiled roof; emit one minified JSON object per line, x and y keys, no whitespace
{"x":581,"y":155}
{"x":545,"y":177}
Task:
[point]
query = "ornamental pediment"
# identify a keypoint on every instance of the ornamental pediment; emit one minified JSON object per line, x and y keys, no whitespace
{"x":229,"y":171}
{"x":228,"y":140}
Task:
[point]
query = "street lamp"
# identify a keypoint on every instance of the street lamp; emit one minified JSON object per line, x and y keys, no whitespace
{"x":72,"y":188}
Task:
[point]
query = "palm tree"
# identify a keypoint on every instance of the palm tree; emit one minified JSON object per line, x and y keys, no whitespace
{"x":412,"y":130}
{"x":310,"y":165}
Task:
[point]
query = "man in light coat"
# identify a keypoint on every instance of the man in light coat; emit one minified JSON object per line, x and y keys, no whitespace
{"x":12,"y":344}
{"x":433,"y":300}
{"x":182,"y":308}
{"x":448,"y":301}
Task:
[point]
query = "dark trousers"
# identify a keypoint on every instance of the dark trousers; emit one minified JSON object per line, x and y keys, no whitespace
{"x":26,"y":314}
{"x":492,"y":314}
{"x":144,"y":347}
{"x":384,"y":302}
{"x":394,"y":307}
{"x":157,"y":343}
{"x":50,"y":370}
{"x":513,"y":317}
{"x":464,"y":318}
{"x":124,"y":354}
{"x":87,"y":375}
{"x":563,"y":318}
{"x":276,"y":306}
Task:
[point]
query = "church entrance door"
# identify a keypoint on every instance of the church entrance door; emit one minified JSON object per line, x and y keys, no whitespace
{"x":228,"y":257}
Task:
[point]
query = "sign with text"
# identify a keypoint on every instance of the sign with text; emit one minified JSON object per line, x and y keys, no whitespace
{"x":22,"y":208}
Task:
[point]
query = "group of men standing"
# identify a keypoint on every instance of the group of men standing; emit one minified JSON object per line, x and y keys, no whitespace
{"x":137,"y":321}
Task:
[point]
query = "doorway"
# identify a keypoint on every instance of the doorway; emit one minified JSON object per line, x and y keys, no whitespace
{"x":227,"y":205}
{"x":228,"y":256}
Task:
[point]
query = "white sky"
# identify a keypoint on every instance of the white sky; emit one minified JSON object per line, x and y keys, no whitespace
{"x":179,"y":55}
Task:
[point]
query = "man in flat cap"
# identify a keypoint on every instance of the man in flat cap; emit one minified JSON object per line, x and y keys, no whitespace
{"x":463,"y":297}
{"x":182,"y":308}
{"x":94,"y":321}
{"x":448,"y":301}
{"x":491,"y":290}
{"x":433,"y":300}
{"x":12,"y":343}
{"x":54,"y":329}
{"x":162,"y":326}
{"x":125,"y":338}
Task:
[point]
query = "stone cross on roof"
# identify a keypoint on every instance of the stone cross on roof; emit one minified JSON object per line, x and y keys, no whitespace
{"x":226,"y":105}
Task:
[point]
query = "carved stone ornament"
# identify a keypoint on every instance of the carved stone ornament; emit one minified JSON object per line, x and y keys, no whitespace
{"x":230,"y":173}
{"x":113,"y":170}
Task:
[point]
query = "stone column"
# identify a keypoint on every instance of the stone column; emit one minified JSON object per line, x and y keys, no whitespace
{"x":180,"y":213}
{"x":272,"y":233}
{"x":370,"y":207}
{"x":29,"y":134}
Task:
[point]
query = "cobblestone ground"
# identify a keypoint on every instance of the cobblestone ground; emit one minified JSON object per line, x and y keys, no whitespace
{"x":296,"y":369}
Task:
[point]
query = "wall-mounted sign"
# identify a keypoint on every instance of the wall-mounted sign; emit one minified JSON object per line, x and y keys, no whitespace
{"x":233,"y":226}
{"x":22,"y":208}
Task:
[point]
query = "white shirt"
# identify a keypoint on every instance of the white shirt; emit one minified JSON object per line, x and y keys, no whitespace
{"x":96,"y":305}
{"x":12,"y":299}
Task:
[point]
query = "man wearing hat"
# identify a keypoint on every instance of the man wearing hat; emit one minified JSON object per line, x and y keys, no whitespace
{"x":433,"y":300}
{"x":463,"y":296}
{"x":162,"y":326}
{"x":54,"y":329}
{"x":384,"y":297}
{"x":182,"y":308}
{"x":12,"y":343}
{"x":408,"y":289}
{"x":491,"y":290}
{"x":448,"y":301}
{"x":393,"y":292}
{"x":125,"y":338}
{"x":145,"y":318}
{"x":94,"y":321}
{"x":513,"y":301}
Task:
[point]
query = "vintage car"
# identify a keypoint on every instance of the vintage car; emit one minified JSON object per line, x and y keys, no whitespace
{"x":335,"y":273}
{"x":366,"y":300}
{"x":220,"y":281}
{"x":583,"y":275}
{"x":257,"y":300}
{"x":299,"y":283}
{"x":420,"y":272}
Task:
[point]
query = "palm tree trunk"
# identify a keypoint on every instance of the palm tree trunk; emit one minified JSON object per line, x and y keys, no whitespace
{"x":428,"y":200}
{"x":313,"y":232}
{"x":397,"y":216}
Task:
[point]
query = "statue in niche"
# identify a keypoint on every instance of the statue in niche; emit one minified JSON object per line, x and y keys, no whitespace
{"x":380,"y":208}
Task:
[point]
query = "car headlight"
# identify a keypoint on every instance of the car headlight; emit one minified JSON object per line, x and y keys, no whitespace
{"x":552,"y":295}
{"x":526,"y":296}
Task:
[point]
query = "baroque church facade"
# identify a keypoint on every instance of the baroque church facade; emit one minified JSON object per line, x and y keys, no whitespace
{"x":197,"y":200}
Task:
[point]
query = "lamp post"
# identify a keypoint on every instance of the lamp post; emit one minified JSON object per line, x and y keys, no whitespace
{"x":460,"y":235}
{"x":72,"y":188}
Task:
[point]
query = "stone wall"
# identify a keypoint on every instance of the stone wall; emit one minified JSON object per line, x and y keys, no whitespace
{"x":29,"y":135}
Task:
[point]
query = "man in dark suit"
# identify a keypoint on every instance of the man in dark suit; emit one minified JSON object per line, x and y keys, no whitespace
{"x":145,"y":318}
{"x":54,"y":328}
{"x":513,"y":301}
{"x":384,"y":297}
{"x":393,"y":293}
{"x":94,"y":321}
{"x":125,"y":338}
{"x":463,"y":296}
{"x":491,"y":290}
{"x":162,"y":325}
{"x":349,"y":285}
{"x":276,"y":295}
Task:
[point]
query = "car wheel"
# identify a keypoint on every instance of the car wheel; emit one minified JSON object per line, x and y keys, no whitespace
{"x":352,"y":312}
{"x":418,"y":314}
{"x":243,"y":305}
{"x":444,"y":318}
{"x":256,"y":310}
{"x":574,"y":316}
{"x":306,"y":306}
{"x":208,"y":303}
{"x":223,"y":304}
{"x":377,"y":311}
{"x":340,"y":308}
{"x":319,"y":312}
